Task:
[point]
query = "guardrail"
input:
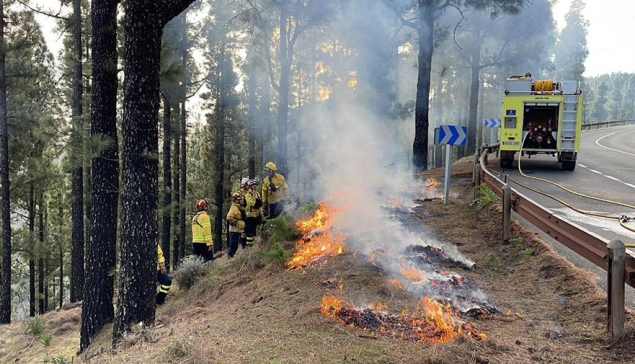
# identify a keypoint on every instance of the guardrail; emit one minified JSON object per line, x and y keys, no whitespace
{"x":589,"y":245}
{"x":607,"y":124}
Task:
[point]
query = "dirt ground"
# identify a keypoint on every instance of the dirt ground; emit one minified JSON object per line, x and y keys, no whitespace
{"x":246,"y":311}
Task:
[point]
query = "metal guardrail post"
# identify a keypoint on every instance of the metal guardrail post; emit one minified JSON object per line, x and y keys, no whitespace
{"x":507,"y":211}
{"x":615,"y":280}
{"x":474,"y":169}
{"x":477,"y":179}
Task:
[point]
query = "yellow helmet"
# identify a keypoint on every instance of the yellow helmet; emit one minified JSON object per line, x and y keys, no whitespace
{"x":271,"y":166}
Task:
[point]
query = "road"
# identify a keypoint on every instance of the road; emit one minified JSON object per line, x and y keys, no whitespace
{"x":605,"y":169}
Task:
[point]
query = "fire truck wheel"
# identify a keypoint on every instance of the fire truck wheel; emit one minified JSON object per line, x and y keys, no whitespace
{"x":568,"y":165}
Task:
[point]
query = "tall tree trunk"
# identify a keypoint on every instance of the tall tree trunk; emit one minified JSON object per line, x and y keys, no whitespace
{"x":5,"y":282}
{"x":97,"y":310}
{"x":144,"y":24}
{"x":425,"y":33}
{"x":220,"y":121}
{"x":42,"y":285}
{"x":167,"y":181}
{"x":283,"y":103}
{"x":31,"y":217}
{"x":77,"y":173}
{"x":61,"y":254}
{"x":475,"y":67}
{"x":183,"y":169}
{"x":251,"y":123}
{"x":176,"y":251}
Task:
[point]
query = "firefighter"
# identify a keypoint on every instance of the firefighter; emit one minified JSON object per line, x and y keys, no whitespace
{"x":164,"y":280}
{"x":253,"y":211}
{"x":236,"y":219}
{"x":275,"y":191}
{"x":202,"y":244}
{"x":244,"y":190}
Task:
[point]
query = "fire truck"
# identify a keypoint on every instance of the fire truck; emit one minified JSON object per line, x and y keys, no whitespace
{"x":541,"y":117}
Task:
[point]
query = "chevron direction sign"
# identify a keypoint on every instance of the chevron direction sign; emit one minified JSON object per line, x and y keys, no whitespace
{"x":492,"y":123}
{"x":450,"y":135}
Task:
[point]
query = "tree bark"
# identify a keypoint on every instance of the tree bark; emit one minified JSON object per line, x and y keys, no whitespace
{"x":5,"y":281}
{"x":426,"y":45}
{"x":31,"y":217}
{"x":42,"y":286}
{"x":183,"y":206}
{"x":176,"y":251}
{"x":283,"y":103}
{"x":167,"y":181}
{"x":475,"y":67}
{"x":77,"y":172}
{"x":97,"y":309}
{"x":143,"y":25}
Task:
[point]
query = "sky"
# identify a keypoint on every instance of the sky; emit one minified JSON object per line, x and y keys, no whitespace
{"x":609,"y":38}
{"x":610,"y":34}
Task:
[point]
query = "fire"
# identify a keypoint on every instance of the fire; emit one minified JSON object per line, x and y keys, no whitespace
{"x":431,"y":183}
{"x":432,"y":321}
{"x":411,"y":273}
{"x":318,"y":240}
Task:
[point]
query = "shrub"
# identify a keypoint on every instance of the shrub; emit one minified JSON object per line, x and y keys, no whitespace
{"x":57,"y":360}
{"x":276,"y":255}
{"x":486,"y":197}
{"x":181,"y":346}
{"x":282,"y":230}
{"x":35,"y":325}
{"x":46,"y":339}
{"x":190,"y":271}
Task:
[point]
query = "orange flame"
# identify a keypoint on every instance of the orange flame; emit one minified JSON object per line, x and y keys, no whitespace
{"x":318,"y":241}
{"x":432,"y":321}
{"x":431,"y":183}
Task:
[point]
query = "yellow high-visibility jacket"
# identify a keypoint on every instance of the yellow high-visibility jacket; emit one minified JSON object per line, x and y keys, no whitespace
{"x":251,"y":210}
{"x":202,"y":228}
{"x":235,"y":218}
{"x":281,"y":189}
{"x":160,"y":257}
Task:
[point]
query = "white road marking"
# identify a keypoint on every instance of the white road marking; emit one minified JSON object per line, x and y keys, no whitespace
{"x":607,"y":176}
{"x":597,"y":141}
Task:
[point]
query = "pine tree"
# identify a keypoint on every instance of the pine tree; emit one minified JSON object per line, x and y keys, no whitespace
{"x":571,"y":50}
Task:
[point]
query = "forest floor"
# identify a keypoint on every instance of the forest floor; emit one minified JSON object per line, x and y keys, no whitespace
{"x":547,"y":310}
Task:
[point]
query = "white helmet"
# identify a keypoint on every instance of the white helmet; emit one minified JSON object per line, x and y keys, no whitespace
{"x":244,"y":181}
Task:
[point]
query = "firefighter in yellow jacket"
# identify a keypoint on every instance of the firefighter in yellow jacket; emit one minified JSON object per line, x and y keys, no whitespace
{"x":164,"y":280}
{"x":275,"y":191}
{"x":244,"y":190}
{"x":202,"y":244}
{"x":253,"y":211}
{"x":236,"y":219}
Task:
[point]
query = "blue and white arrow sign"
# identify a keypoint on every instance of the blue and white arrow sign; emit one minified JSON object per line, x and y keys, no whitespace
{"x":492,"y":123}
{"x":451,"y":135}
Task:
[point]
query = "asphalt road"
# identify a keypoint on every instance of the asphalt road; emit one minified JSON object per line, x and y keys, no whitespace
{"x":605,"y":169}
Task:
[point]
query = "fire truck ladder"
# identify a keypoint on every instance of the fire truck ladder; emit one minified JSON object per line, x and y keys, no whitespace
{"x":569,"y":121}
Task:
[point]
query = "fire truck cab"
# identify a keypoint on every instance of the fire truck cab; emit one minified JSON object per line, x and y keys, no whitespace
{"x":541,"y":116}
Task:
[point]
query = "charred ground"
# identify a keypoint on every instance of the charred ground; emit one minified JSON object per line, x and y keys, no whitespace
{"x":247,"y":311}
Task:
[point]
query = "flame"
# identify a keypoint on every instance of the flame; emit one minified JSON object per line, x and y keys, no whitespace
{"x":431,"y":183}
{"x":410,"y":273}
{"x":432,"y":321}
{"x":318,"y":241}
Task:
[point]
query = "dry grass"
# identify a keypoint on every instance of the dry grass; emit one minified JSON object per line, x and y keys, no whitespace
{"x":249,"y":311}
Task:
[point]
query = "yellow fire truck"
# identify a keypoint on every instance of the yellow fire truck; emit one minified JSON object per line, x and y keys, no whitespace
{"x":541,"y":117}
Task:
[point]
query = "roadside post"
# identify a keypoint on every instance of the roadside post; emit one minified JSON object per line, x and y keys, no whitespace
{"x":449,"y":135}
{"x":494,"y":125}
{"x":615,"y":280}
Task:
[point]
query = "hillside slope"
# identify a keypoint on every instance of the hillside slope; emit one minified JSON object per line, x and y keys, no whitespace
{"x":250,"y":311}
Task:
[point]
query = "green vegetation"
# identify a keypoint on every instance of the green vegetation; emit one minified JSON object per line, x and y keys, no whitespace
{"x":181,"y":347}
{"x":486,"y":197}
{"x":46,"y":339}
{"x":57,"y":360}
{"x":35,"y":325}
{"x":189,"y":272}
